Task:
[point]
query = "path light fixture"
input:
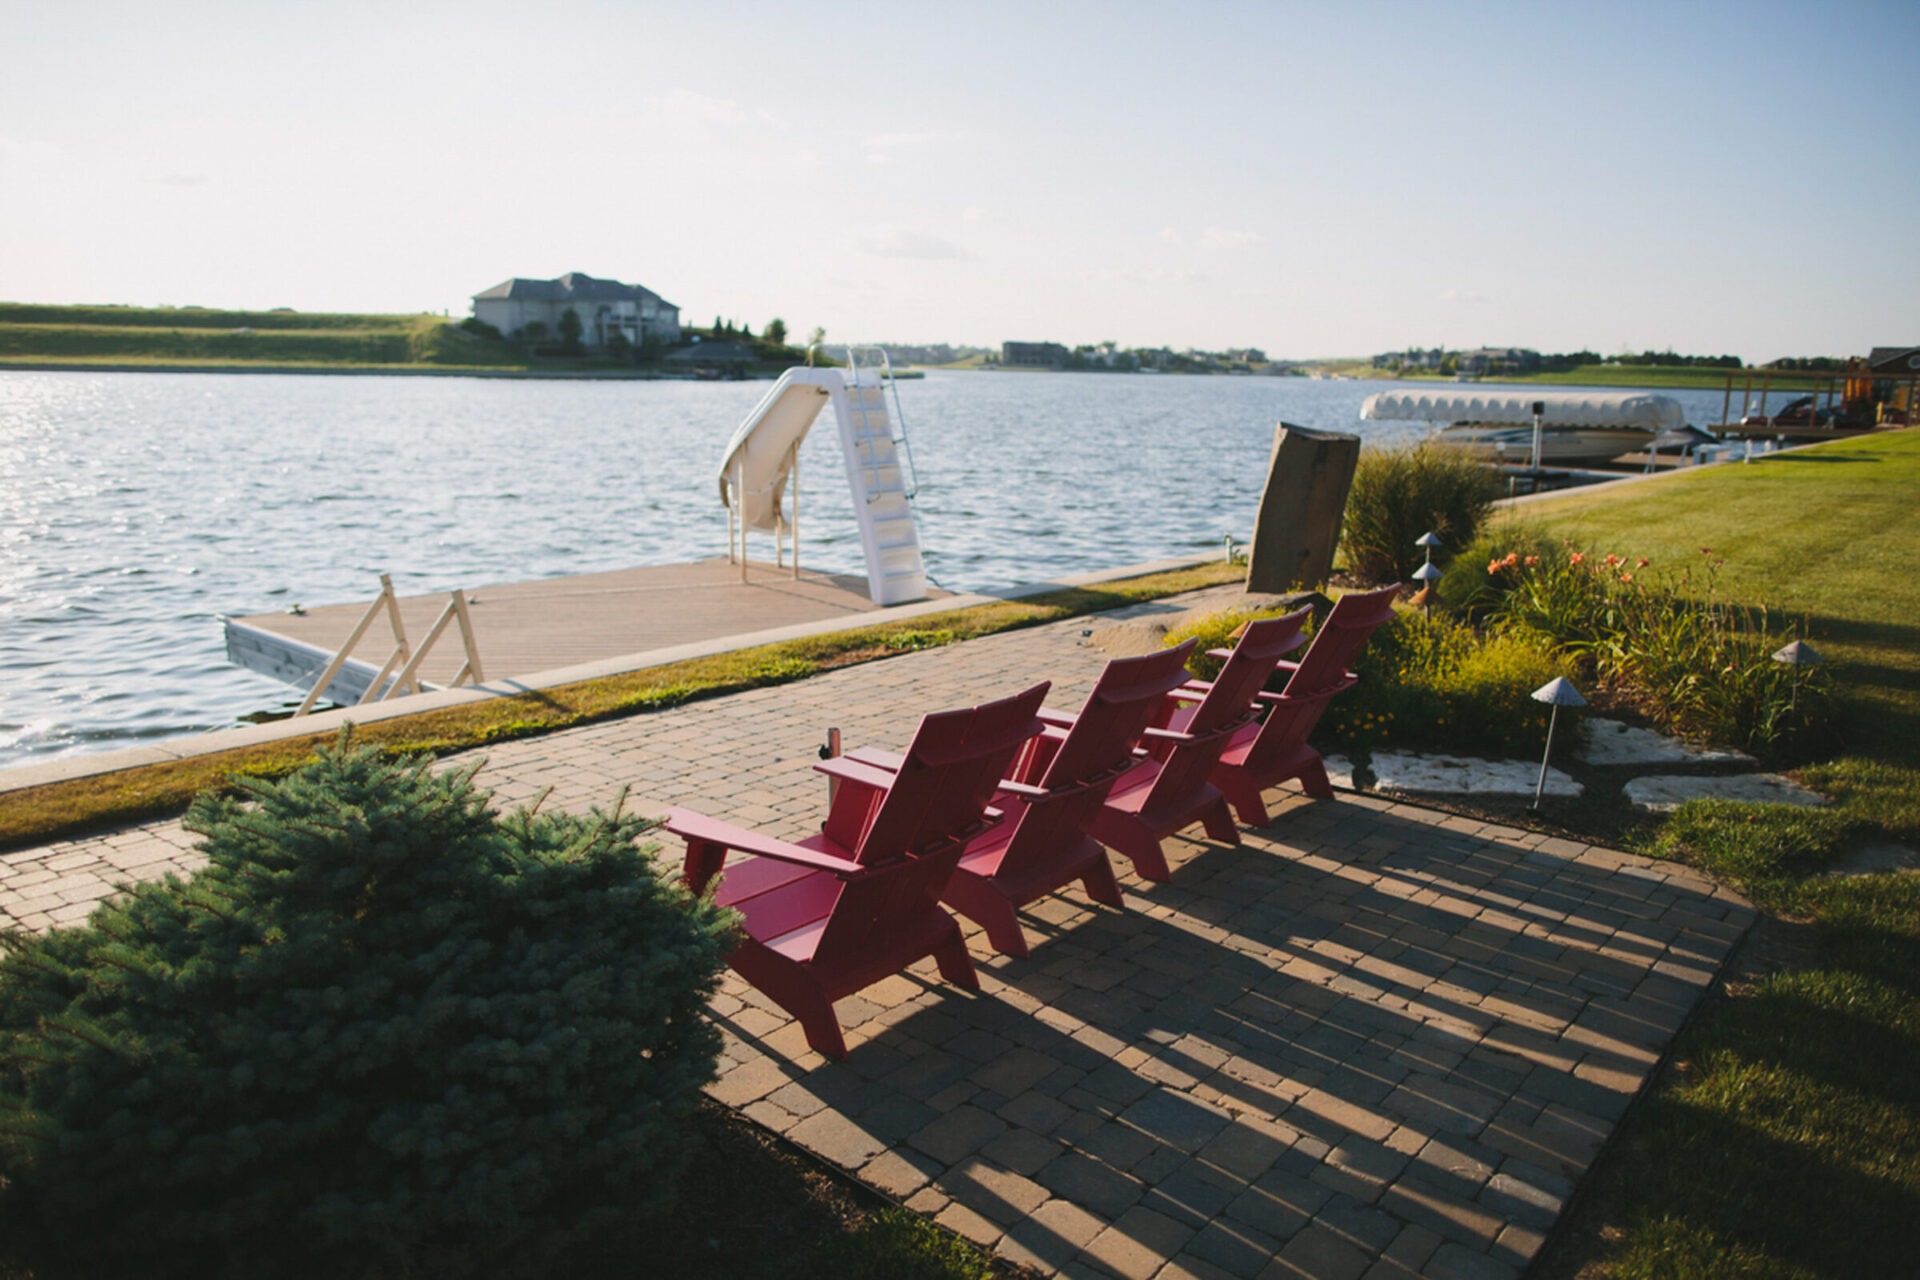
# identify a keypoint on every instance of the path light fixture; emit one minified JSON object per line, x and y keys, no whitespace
{"x":1556,"y":693}
{"x":1426,"y":575}
{"x":1797,"y":655}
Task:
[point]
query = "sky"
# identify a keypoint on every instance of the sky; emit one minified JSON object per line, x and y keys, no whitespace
{"x":1316,"y":180}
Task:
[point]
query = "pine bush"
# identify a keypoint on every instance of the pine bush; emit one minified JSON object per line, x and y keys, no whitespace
{"x":383,"y":1032}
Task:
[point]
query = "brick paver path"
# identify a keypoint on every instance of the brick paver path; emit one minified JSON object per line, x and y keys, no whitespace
{"x":1370,"y":1041}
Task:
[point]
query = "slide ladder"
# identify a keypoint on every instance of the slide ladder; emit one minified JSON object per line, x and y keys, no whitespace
{"x":759,"y":476}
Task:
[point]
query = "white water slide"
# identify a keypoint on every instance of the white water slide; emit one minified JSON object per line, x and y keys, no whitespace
{"x":759,"y":476}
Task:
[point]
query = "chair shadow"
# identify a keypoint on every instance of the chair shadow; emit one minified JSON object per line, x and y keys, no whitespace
{"x":1355,"y":1019}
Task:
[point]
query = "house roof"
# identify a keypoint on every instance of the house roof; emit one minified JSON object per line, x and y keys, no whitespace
{"x":1893,"y":359}
{"x":575,"y":286}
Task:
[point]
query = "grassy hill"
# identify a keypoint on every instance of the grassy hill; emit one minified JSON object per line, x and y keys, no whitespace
{"x":195,"y":336}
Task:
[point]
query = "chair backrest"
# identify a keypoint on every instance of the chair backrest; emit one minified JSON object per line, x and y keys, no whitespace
{"x":1340,"y":639}
{"x":1117,"y":712}
{"x":948,"y":776}
{"x":1227,"y":705}
{"x":939,"y":794}
{"x":1322,"y":673}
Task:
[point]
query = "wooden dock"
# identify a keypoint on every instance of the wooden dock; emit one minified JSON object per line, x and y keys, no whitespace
{"x":524,"y":628}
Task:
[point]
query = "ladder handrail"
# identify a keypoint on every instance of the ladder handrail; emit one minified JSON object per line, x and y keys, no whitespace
{"x":887,"y":385}
{"x":402,"y":655}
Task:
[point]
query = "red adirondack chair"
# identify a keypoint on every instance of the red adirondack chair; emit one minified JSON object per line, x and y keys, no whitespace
{"x":1170,"y":789}
{"x":828,"y":915}
{"x":1268,"y":753}
{"x":1041,"y":843}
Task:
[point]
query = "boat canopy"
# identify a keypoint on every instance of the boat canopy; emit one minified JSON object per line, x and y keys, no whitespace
{"x":1515,"y":408}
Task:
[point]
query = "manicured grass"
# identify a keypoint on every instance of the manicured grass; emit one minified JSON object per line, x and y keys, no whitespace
{"x":1830,"y":532}
{"x":1784,"y":1139}
{"x":1683,"y":377}
{"x":117,"y":335}
{"x":43,"y":813}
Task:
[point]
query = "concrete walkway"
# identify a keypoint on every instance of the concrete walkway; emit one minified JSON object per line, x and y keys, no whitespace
{"x":1370,"y":1041}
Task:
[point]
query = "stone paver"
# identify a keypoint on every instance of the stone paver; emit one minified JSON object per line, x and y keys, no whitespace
{"x":1369,"y":1040}
{"x":1669,"y":791}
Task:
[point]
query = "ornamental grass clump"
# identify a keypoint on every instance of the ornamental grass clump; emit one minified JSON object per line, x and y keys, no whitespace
{"x":1697,"y":663}
{"x":1399,"y":494}
{"x":383,"y":1032}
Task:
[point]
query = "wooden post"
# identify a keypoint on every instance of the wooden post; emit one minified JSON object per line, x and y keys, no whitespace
{"x":1300,"y":509}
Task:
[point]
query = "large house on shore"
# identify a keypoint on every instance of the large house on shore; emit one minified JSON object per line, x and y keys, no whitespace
{"x":609,"y":311}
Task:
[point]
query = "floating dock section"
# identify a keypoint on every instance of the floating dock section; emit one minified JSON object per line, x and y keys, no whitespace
{"x":525,"y":628}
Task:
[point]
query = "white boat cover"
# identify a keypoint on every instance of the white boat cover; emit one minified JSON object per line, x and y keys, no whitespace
{"x":1563,"y":408}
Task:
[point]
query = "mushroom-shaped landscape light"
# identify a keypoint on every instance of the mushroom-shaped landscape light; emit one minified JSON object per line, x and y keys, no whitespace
{"x":1797,"y":655}
{"x":1557,"y":693}
{"x":1426,"y":575}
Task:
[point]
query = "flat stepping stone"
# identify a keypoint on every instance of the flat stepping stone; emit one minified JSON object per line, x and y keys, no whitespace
{"x":1609,"y":742}
{"x":1339,"y":771}
{"x":1662,"y":793}
{"x":1403,"y":771}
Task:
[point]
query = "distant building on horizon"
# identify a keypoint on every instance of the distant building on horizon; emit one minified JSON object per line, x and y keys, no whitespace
{"x":607,"y":309}
{"x":1033,"y":355}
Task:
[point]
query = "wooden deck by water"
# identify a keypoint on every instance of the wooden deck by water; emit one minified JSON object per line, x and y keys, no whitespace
{"x":523,"y":628}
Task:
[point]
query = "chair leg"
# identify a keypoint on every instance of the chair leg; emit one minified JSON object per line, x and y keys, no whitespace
{"x":1313,"y":779}
{"x":975,"y":898}
{"x":1243,"y":793}
{"x":1149,"y":860}
{"x":793,"y":988}
{"x":1100,"y":884}
{"x":956,"y":966}
{"x":1219,"y":823}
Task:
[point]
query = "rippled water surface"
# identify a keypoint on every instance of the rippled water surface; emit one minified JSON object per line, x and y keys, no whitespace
{"x":135,"y":509}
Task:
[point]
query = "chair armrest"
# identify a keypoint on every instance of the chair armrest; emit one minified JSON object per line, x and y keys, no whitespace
{"x":1168,"y":735}
{"x":1064,"y":719}
{"x":1026,"y":791}
{"x":857,"y":771}
{"x":699,"y":829}
{"x":888,"y":760}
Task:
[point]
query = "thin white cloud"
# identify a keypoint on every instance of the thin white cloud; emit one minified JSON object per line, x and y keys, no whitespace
{"x":1228,"y":238}
{"x":899,"y":242}
{"x":26,"y":151}
{"x":1171,"y":235}
{"x":1462,"y":295}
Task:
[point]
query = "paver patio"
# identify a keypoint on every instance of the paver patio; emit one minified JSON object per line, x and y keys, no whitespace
{"x":1372,"y":1040}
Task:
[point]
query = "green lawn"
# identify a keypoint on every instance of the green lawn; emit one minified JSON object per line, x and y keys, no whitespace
{"x":1831,"y":532}
{"x":1784,"y":1138}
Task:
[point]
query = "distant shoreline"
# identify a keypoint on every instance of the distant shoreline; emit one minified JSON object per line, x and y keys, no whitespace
{"x":365,"y":370}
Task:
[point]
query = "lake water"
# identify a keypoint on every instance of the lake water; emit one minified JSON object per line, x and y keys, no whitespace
{"x":135,"y":509}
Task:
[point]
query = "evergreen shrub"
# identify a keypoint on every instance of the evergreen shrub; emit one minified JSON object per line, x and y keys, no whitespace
{"x":1399,"y":494}
{"x":383,"y":1032}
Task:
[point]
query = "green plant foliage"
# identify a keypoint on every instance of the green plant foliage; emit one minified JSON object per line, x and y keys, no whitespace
{"x":1789,"y":1143}
{"x":1218,"y":631}
{"x":1765,"y":849}
{"x":382,"y":1032}
{"x":1435,"y":684}
{"x":901,"y":1245}
{"x":1400,"y":494}
{"x":1700,"y":664}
